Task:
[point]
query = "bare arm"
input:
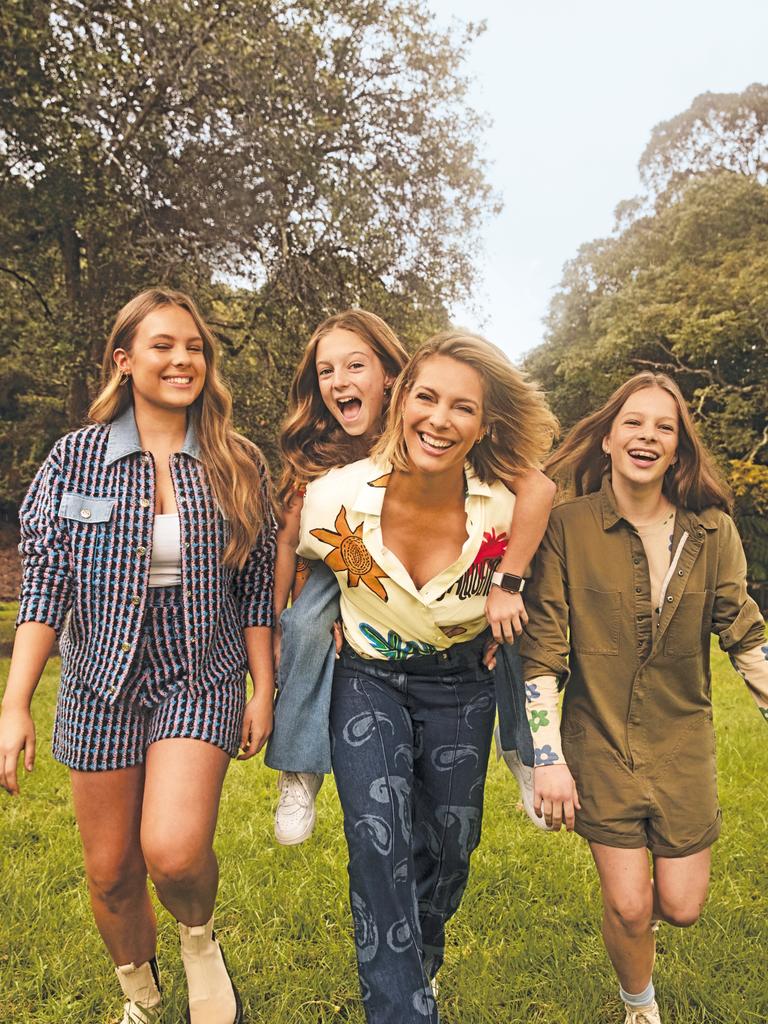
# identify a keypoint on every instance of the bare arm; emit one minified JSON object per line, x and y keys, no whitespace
{"x":285,"y":563}
{"x":257,"y":719}
{"x":31,"y":650}
{"x":534,"y":494}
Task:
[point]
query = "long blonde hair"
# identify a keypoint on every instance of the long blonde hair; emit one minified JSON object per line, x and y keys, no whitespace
{"x":311,"y":441}
{"x":234,"y":466}
{"x":694,"y":481}
{"x":520,"y":426}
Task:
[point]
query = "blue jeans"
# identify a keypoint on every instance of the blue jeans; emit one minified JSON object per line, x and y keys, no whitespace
{"x":300,"y":741}
{"x":410,"y":742}
{"x":510,"y":698}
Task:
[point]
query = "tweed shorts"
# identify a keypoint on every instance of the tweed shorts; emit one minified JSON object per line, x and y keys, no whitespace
{"x":154,"y":704}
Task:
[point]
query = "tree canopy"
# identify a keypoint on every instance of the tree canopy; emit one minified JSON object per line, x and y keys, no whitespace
{"x":280,"y":159}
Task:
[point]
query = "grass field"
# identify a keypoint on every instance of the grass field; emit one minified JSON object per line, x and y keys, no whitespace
{"x":8,"y":611}
{"x":524,"y":946}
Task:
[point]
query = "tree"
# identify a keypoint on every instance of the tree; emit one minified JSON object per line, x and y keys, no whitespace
{"x":281,"y":159}
{"x":719,"y":131}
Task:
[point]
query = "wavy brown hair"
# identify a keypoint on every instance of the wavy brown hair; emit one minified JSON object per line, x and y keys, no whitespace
{"x":694,"y":482}
{"x":311,"y":441}
{"x":235,"y":468}
{"x":520,"y":426}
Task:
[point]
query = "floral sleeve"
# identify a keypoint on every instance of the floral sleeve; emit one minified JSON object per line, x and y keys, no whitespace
{"x":542,"y":705}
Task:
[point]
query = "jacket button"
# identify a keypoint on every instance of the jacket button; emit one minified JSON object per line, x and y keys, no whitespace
{"x":85,"y":513}
{"x":638,"y":590}
{"x":680,"y":572}
{"x":125,"y":647}
{"x":670,"y":599}
{"x":141,"y":550}
{"x":144,"y":502}
{"x":135,"y":599}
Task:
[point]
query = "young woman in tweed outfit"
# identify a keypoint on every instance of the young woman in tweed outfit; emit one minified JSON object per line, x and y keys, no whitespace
{"x":148,"y":543}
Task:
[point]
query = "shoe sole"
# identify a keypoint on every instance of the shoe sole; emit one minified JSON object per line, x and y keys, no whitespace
{"x":238,"y":1002}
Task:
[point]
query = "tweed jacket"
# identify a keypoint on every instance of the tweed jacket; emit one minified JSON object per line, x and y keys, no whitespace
{"x":86,"y":542}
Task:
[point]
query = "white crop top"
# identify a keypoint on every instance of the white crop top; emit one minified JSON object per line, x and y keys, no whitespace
{"x":165,"y":564}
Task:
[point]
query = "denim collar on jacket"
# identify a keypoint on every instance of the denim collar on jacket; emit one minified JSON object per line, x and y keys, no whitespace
{"x":124,"y":438}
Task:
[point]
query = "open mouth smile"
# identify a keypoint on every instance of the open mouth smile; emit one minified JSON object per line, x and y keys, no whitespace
{"x":178,"y":381}
{"x":434,"y":444}
{"x":349,"y":407}
{"x":643,"y":456}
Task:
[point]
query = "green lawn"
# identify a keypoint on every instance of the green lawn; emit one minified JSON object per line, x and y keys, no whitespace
{"x":524,"y":947}
{"x":8,"y":610}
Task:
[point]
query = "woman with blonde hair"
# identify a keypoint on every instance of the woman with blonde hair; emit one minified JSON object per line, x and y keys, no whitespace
{"x":632,"y":577}
{"x":414,"y":535}
{"x":338,"y":400}
{"x":148,"y":544}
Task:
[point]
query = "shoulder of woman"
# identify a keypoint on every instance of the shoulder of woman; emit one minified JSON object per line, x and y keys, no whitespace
{"x":713,"y":518}
{"x":85,"y":440}
{"x":575,"y":509}
{"x":344,"y":476}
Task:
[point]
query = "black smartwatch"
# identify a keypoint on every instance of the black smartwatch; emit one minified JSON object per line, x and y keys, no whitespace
{"x":505,"y":580}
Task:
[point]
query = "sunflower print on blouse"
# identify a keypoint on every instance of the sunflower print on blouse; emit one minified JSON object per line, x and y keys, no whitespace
{"x":350,"y":553}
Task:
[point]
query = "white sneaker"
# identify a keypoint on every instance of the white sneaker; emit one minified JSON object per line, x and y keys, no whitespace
{"x":524,"y":776}
{"x":296,"y":812}
{"x":434,"y":985}
{"x":643,"y":1014}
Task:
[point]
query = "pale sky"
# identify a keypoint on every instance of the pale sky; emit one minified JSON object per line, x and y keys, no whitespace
{"x":574,"y":88}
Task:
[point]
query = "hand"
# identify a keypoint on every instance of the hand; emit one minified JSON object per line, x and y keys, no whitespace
{"x":338,"y":636}
{"x":277,"y":639}
{"x":555,"y":794}
{"x":257,"y":724}
{"x":506,"y":615}
{"x":17,"y":733}
{"x":489,"y":654}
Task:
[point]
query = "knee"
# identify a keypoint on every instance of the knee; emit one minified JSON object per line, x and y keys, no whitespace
{"x":112,"y":882}
{"x":680,"y":913}
{"x":307,"y":632}
{"x":632,"y":912}
{"x":172,"y":861}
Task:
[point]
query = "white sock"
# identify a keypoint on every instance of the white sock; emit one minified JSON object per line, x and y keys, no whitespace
{"x":638,"y":999}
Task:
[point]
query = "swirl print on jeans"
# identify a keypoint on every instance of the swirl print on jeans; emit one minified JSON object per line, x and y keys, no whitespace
{"x":410,"y":753}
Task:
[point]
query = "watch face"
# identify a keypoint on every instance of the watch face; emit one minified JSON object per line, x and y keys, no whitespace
{"x":509,"y":582}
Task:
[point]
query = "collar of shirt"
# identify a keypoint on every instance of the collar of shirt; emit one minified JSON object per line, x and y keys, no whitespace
{"x":687,"y":520}
{"x":124,"y":438}
{"x":369,"y":502}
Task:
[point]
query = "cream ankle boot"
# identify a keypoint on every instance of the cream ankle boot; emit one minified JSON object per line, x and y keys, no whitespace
{"x":141,"y":988}
{"x":213,"y":999}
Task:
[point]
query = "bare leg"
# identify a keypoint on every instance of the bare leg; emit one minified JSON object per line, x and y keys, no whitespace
{"x":680,"y":887}
{"x":181,"y":803}
{"x":625,"y":879}
{"x":108,"y":811}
